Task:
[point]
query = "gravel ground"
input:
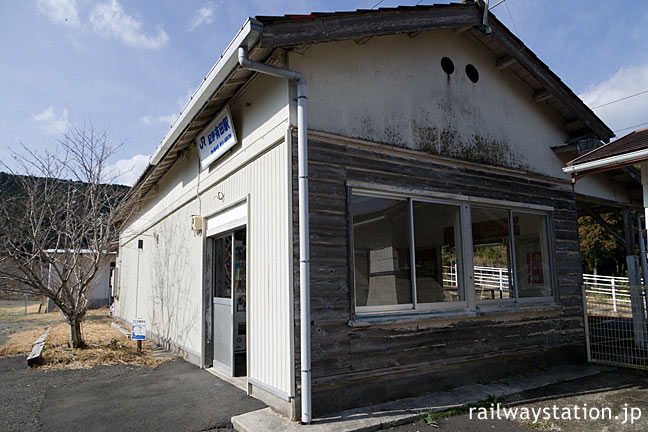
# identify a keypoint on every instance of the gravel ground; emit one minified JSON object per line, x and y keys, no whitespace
{"x":175,"y":396}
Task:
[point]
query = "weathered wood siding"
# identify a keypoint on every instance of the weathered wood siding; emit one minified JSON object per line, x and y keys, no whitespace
{"x":383,"y":362}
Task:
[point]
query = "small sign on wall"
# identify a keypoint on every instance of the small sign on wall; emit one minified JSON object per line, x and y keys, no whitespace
{"x":216,"y":139}
{"x":138,"y":329}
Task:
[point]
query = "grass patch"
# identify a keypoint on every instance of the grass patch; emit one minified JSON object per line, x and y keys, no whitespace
{"x":432,"y":418}
{"x":106,"y":345}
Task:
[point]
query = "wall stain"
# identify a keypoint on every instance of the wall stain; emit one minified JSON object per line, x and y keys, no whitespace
{"x":477,"y":148}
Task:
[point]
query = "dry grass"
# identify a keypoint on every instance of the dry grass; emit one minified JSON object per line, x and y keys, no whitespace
{"x":17,"y":307}
{"x":54,"y":316}
{"x":106,"y":346}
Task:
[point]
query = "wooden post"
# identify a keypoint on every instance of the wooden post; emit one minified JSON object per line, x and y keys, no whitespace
{"x":139,"y":346}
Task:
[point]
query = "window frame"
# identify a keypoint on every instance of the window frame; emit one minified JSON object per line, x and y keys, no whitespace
{"x":361,"y":310}
{"x":465,"y":204}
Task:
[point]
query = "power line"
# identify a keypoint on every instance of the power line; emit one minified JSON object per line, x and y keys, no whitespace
{"x":631,"y":127}
{"x":377,"y":4}
{"x":619,"y":100}
{"x":512,"y":20}
{"x":496,"y":4}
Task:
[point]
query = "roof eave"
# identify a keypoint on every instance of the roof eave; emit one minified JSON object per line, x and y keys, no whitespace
{"x":608,"y":163}
{"x":249,"y":36}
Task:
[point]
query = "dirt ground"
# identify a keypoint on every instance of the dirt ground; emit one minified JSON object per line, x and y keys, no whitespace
{"x":11,"y":323}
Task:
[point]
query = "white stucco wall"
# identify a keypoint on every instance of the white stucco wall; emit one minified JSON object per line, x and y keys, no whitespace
{"x":165,"y":287}
{"x":392,"y":89}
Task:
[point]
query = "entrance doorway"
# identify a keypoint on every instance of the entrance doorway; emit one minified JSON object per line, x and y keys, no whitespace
{"x":230,"y":302}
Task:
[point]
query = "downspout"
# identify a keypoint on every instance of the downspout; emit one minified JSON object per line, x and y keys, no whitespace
{"x":304,"y":264}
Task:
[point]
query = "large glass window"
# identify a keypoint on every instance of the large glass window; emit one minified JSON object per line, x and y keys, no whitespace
{"x":437,"y":232}
{"x":411,"y":254}
{"x":531,"y":255}
{"x":382,"y":251}
{"x":491,"y":254}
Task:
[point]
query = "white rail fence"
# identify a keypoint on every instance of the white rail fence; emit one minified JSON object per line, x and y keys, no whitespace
{"x":612,"y":290}
{"x":609,"y":289}
{"x":485,"y":277}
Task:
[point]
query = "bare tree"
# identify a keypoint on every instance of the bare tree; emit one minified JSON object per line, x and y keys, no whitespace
{"x":60,"y":218}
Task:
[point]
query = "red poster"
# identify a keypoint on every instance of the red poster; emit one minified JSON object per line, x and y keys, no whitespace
{"x":534,"y":266}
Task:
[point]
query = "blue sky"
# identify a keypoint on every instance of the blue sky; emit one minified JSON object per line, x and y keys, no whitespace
{"x":130,"y":66}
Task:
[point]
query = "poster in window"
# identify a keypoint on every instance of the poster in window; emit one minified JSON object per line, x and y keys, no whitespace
{"x":534,"y":268}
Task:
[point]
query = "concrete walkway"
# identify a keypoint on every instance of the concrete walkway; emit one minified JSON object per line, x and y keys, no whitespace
{"x":406,"y":410}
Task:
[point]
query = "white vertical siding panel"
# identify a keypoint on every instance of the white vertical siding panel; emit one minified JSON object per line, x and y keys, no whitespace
{"x":264,"y":178}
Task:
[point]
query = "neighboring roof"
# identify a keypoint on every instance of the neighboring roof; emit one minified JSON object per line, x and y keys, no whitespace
{"x":626,"y":151}
{"x":264,"y":34}
{"x":80,"y":251}
{"x":637,"y":140}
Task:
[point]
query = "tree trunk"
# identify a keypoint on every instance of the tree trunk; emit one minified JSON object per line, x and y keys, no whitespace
{"x":75,"y":333}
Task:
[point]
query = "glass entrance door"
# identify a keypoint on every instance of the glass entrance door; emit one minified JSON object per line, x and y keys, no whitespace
{"x":230,"y":302}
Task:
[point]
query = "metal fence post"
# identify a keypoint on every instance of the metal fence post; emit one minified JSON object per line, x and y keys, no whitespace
{"x":614,"y":302}
{"x":586,"y":322}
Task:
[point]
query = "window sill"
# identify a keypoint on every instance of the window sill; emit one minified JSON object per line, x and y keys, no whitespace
{"x":424,"y":316}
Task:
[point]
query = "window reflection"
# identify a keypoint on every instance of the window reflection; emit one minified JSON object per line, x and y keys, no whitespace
{"x":531,"y":255}
{"x":491,"y":254}
{"x":382,"y":258}
{"x":437,"y":232}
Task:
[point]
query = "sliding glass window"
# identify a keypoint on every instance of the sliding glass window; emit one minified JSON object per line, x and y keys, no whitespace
{"x":412,"y":254}
{"x":532,"y":255}
{"x":491,"y":254}
{"x":437,"y":240}
{"x":382,"y":251}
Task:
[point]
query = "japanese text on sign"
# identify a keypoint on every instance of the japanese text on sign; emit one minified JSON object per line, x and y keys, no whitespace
{"x":217,"y":138}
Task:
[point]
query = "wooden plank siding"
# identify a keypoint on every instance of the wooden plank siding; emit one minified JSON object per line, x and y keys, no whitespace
{"x":354,"y":366}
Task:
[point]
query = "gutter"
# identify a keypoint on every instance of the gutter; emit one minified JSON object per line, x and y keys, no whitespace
{"x":304,"y":254}
{"x":627,"y":159}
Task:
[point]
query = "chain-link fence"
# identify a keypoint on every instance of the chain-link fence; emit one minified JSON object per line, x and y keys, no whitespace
{"x":616,"y":325}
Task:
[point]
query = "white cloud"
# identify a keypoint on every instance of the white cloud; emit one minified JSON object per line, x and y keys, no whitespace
{"x":169,"y":119}
{"x":623,"y":114}
{"x":149,"y":120}
{"x":127,"y":171}
{"x":52,"y":123}
{"x":146,"y":120}
{"x":109,"y":19}
{"x":60,"y":11}
{"x":204,"y":15}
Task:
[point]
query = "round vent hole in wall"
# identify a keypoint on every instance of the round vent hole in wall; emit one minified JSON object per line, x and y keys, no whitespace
{"x":447,"y":65}
{"x":471,"y":72}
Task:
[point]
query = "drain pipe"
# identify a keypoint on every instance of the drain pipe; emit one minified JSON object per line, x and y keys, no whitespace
{"x":304,"y":263}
